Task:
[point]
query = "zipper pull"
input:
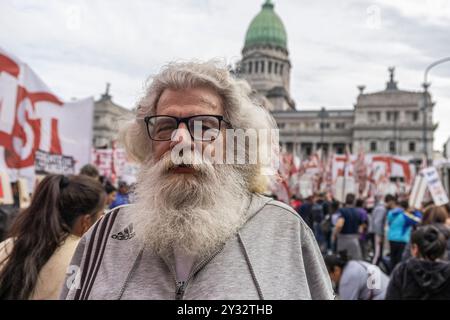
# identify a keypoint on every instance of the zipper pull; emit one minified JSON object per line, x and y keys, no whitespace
{"x":179,"y":292}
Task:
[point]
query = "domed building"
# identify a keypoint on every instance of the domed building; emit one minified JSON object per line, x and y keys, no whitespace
{"x":265,"y":60}
{"x":389,"y":121}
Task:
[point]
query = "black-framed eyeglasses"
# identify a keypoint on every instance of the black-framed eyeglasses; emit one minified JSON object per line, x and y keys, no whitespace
{"x":204,"y":127}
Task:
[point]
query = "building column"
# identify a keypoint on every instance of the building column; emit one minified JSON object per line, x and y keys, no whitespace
{"x":297,"y":149}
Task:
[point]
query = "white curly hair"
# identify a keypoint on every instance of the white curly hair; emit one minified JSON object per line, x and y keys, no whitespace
{"x":239,"y":109}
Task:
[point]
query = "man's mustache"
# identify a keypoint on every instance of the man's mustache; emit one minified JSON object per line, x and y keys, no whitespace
{"x":167,"y":164}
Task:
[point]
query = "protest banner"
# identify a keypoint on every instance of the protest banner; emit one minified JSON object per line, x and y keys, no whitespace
{"x":435,"y":186}
{"x":38,"y":129}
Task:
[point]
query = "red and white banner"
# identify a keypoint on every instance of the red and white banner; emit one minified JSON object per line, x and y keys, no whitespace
{"x":113,"y":164}
{"x":38,"y":131}
{"x":374,"y":169}
{"x":366,"y":175}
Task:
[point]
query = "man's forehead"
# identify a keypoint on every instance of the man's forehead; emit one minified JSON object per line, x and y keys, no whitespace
{"x":198,"y":97}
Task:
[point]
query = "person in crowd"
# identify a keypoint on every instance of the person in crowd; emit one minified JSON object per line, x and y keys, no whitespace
{"x":295,"y":202}
{"x":356,"y":279}
{"x":305,"y":211}
{"x":447,"y":208}
{"x":319,"y":212}
{"x":363,"y":229}
{"x":378,"y":222}
{"x":426,"y":276}
{"x":347,"y":229}
{"x":111,"y":193}
{"x":334,"y":209}
{"x":400,"y":222}
{"x":35,"y":257}
{"x":8,"y":212}
{"x":437,"y":216}
{"x":199,"y":229}
{"x":122,"y":196}
{"x":91,"y":171}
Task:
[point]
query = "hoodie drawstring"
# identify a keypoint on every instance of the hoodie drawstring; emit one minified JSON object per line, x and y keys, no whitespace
{"x":252,"y":272}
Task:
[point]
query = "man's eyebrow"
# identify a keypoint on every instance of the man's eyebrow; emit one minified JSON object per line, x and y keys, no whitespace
{"x":208,"y":103}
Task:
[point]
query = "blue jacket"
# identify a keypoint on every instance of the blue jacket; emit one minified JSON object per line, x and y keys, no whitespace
{"x":400,"y":224}
{"x":120,"y":199}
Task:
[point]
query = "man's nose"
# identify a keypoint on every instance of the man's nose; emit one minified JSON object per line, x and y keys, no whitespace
{"x":181,"y":135}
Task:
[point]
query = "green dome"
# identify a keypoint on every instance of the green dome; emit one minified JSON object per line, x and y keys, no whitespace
{"x":266,"y":28}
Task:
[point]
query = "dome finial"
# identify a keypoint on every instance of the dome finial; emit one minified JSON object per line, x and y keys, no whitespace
{"x":266,"y":28}
{"x":391,"y":85}
{"x":106,"y":95}
{"x":268,"y":4}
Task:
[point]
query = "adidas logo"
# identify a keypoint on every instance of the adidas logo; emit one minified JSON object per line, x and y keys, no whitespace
{"x":126,"y":234}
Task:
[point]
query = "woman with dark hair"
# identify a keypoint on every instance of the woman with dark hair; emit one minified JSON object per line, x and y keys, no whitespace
{"x":355,"y":279}
{"x":426,"y":276}
{"x":437,"y":216}
{"x":35,"y":257}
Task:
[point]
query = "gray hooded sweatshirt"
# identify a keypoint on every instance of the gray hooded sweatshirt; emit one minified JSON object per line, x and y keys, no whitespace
{"x":273,"y":256}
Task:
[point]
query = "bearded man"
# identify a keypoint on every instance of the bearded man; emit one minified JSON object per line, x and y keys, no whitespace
{"x":198,"y":229}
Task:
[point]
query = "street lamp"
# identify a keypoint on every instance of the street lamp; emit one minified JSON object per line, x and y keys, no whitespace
{"x":425,"y":86}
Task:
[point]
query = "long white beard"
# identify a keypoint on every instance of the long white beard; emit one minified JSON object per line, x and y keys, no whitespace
{"x":194,"y":213}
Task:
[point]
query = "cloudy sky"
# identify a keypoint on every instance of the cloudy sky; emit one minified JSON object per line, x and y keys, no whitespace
{"x":76,"y":46}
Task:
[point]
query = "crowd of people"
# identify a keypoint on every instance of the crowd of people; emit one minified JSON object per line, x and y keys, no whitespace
{"x":405,"y":252}
{"x":207,"y":230}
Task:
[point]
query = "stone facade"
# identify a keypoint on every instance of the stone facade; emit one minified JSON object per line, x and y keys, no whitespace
{"x":268,"y":69}
{"x":388,"y":122}
{"x":303,"y":132}
{"x":107,"y":116}
{"x":391,"y":121}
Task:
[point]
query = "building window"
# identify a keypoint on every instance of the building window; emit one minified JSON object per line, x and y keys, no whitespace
{"x":412,"y":116}
{"x":373,"y":146}
{"x":250,"y":65}
{"x":374,"y":116}
{"x":308,"y":150}
{"x":412,"y":146}
{"x":324,"y":125}
{"x":276,"y":68}
{"x":256,"y":66}
{"x":281,"y":69}
{"x":262,"y":66}
{"x":392,"y":146}
{"x":289,"y":147}
{"x":340,"y":125}
{"x":270,"y":67}
{"x":392,"y":116}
